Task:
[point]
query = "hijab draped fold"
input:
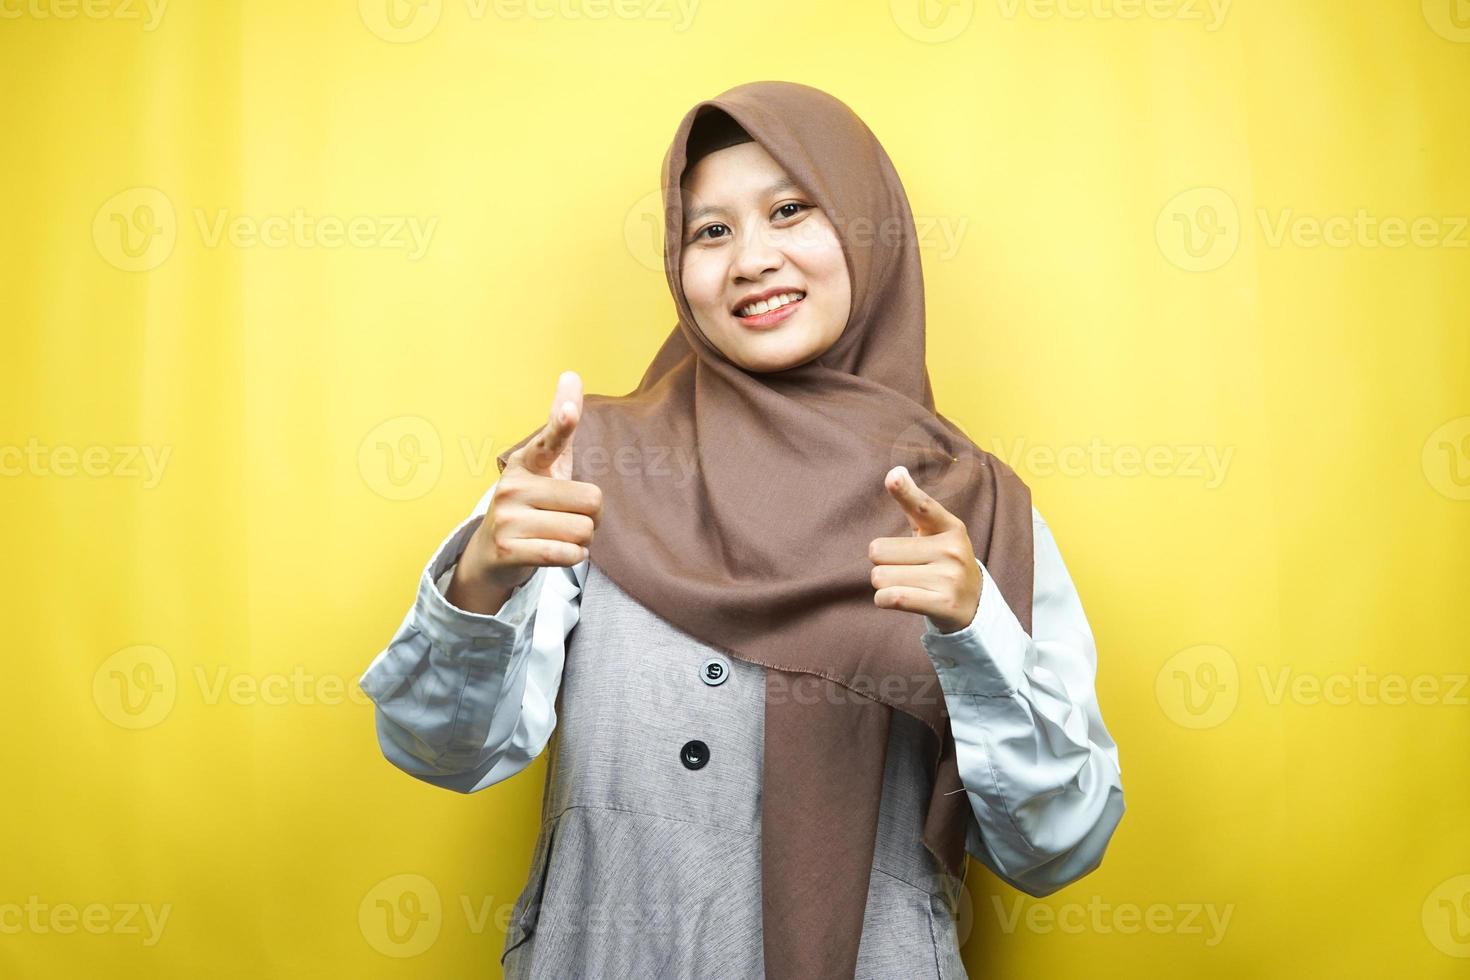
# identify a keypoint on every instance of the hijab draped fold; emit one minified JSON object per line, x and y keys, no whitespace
{"x":760,"y":548}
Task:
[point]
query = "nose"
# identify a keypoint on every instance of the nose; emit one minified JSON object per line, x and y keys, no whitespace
{"x":755,"y":255}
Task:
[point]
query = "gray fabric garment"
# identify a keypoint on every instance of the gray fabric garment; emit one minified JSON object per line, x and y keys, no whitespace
{"x":644,"y":868}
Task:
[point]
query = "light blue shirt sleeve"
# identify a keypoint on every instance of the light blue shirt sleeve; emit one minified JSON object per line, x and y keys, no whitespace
{"x":1039,"y":767}
{"x":464,"y":700}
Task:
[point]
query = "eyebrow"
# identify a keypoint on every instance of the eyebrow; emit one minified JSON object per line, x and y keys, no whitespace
{"x":784,"y":184}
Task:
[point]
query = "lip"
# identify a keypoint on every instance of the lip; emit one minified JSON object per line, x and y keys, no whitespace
{"x":749,"y":298}
{"x":769,"y":319}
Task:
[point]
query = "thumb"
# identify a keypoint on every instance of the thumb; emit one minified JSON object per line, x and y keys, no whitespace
{"x":925,"y":514}
{"x":549,"y":454}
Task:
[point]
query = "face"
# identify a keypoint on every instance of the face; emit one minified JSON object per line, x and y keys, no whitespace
{"x":761,"y":266}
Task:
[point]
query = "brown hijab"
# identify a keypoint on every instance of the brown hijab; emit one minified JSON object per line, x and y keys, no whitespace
{"x":763,"y":550}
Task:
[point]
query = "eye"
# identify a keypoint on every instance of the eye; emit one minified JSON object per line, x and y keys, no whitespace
{"x":700,"y":233}
{"x":792,"y":204}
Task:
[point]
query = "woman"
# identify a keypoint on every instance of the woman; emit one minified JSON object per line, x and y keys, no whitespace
{"x":799,"y":683}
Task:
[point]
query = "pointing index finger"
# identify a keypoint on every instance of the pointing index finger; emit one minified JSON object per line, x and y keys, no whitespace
{"x":555,"y":437}
{"x":925,"y":514}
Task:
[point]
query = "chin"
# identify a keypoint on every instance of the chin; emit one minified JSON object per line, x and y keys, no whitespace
{"x":766,"y":360}
{"x":768,"y":351}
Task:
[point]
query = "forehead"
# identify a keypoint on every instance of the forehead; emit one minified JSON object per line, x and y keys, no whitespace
{"x":732,"y":176}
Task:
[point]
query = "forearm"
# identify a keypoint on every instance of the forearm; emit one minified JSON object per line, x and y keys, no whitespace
{"x":474,"y":593}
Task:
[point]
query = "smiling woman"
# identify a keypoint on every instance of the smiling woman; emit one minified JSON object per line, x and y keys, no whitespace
{"x":740,"y":679}
{"x":764,"y":270}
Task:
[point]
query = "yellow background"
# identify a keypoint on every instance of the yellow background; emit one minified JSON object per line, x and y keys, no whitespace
{"x":182,"y":727}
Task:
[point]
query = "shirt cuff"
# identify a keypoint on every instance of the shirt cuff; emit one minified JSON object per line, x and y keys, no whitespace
{"x":985,"y":657}
{"x":459,"y":630}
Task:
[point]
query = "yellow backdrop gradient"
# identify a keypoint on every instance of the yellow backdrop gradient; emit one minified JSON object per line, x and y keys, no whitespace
{"x":278,"y":279}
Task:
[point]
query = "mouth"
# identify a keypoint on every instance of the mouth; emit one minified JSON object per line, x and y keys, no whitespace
{"x":768,"y":312}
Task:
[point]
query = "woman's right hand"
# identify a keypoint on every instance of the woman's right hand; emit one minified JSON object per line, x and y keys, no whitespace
{"x":537,"y":516}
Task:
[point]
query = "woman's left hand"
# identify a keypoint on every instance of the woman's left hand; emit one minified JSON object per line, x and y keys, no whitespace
{"x":934,"y":572}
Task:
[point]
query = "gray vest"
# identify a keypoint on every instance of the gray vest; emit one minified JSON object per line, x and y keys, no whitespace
{"x":647,"y":863}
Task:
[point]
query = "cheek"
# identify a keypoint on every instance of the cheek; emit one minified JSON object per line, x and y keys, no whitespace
{"x":702,"y":285}
{"x":822,"y":256}
{"x":827,"y":267}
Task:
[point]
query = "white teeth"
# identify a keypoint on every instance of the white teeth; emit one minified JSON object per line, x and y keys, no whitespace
{"x":767,"y":305}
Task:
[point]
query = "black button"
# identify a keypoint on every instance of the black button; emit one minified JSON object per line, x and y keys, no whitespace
{"x":694,"y":754}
